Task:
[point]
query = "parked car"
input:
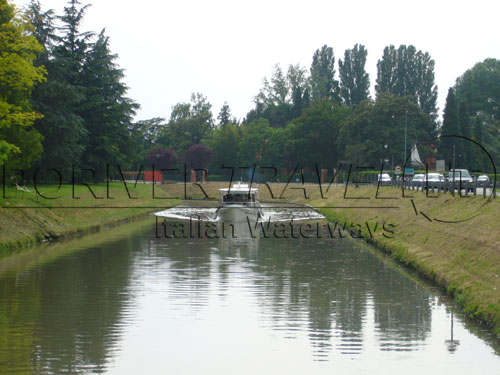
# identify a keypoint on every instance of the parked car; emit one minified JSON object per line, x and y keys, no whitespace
{"x":429,"y":180}
{"x":384,"y":179}
{"x":483,"y":179}
{"x":418,"y":178}
{"x":460,"y":177}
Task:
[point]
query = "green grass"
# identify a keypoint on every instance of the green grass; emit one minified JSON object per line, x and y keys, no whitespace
{"x":27,"y":218}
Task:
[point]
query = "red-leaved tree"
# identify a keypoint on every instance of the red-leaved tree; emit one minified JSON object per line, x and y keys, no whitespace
{"x":161,"y":158}
{"x":198,"y":156}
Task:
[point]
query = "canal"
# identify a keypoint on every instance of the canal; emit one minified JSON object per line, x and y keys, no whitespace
{"x":127,"y":302}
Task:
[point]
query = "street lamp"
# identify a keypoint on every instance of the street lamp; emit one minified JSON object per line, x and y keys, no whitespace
{"x":406,"y":123}
{"x":385,"y":152}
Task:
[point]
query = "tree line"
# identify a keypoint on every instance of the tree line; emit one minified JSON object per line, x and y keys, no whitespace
{"x":63,"y":103}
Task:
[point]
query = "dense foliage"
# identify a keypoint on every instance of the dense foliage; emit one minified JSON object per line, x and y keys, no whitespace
{"x":20,"y":143}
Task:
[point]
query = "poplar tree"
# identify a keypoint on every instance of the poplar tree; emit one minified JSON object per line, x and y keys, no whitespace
{"x":450,"y":128}
{"x":323,"y":83}
{"x":408,"y":72}
{"x":354,"y":80}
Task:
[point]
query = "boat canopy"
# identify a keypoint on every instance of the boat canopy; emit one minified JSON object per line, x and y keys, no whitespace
{"x":238,"y":194}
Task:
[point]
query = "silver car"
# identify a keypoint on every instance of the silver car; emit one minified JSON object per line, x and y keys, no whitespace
{"x":483,"y":179}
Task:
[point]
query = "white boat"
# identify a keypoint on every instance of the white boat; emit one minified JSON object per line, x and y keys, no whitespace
{"x":240,"y":203}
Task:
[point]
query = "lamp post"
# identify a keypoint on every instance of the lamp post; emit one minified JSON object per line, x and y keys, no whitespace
{"x":406,"y":123}
{"x":385,"y":151}
{"x":453,"y":163}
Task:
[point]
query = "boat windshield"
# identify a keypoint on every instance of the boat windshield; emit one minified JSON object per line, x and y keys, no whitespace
{"x":238,"y":198}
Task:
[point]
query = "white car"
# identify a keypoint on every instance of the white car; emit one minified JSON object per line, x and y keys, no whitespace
{"x":431,"y":180}
{"x":460,"y":175}
{"x":384,"y":179}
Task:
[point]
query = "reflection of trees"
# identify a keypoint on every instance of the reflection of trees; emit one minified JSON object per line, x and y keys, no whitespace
{"x":72,"y":308}
{"x":84,"y":300}
{"x":188,"y":264}
{"x":402,"y":310}
{"x":76,"y":315}
{"x":17,"y":323}
{"x":336,"y":280}
{"x":331,"y":285}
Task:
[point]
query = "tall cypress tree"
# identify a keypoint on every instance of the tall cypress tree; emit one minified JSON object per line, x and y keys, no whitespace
{"x":354,"y":80}
{"x":450,"y":129}
{"x":465,"y":130}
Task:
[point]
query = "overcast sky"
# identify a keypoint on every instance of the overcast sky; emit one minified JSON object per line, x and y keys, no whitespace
{"x":223,"y":49}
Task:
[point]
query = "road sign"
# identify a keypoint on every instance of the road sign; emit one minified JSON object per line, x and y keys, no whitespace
{"x":397,"y":169}
{"x":409,"y":170}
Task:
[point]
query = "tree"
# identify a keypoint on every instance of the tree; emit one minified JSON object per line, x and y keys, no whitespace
{"x":161,"y":158}
{"x":387,"y":71}
{"x":280,"y":88}
{"x":276,"y":90}
{"x":20,"y":143}
{"x":426,"y":88}
{"x":313,"y":136}
{"x":189,"y":124}
{"x":354,"y":81}
{"x":198,"y":156}
{"x":323,"y":83}
{"x":408,"y":72}
{"x":481,"y":160}
{"x":479,"y":87}
{"x":375,"y":123}
{"x":60,"y":96}
{"x":282,"y":98}
{"x":224,"y":141}
{"x":450,"y":128}
{"x":297,"y":78}
{"x":106,"y":111}
{"x":224,"y":115}
{"x":466,"y":147}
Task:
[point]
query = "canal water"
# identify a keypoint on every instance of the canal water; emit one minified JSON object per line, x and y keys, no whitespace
{"x":132,"y":301}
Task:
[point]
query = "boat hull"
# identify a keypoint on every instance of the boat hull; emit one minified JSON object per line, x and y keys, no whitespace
{"x":239,"y":214}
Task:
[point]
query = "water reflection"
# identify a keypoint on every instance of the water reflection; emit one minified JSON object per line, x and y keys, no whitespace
{"x":141,"y":299}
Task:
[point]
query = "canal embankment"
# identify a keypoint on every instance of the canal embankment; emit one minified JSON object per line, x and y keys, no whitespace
{"x":57,"y":212}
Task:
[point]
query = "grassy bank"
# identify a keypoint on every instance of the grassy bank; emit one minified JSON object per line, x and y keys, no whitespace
{"x":27,"y":218}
